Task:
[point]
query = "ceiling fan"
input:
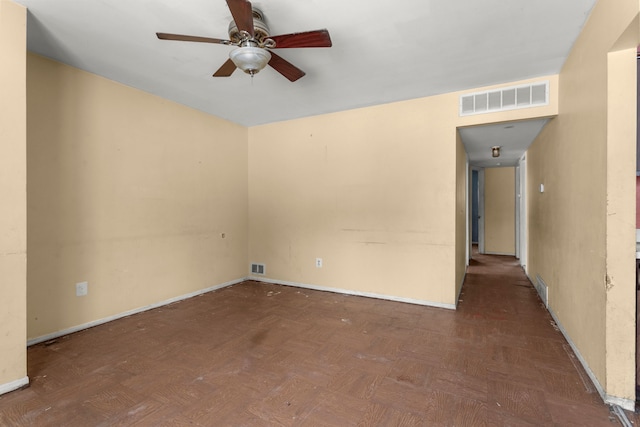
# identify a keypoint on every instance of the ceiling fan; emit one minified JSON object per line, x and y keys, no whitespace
{"x":249,"y":32}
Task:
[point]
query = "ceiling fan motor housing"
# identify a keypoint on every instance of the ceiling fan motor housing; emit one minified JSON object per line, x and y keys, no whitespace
{"x":260,"y":29}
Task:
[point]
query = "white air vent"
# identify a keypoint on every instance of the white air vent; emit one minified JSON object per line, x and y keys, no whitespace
{"x":507,"y":98}
{"x":257,"y":269}
{"x":541,"y":287}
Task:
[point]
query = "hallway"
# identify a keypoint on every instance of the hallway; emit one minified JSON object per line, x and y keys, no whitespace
{"x":524,"y":350}
{"x":259,"y":354}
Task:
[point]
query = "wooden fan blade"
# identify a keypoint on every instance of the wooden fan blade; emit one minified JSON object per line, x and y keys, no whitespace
{"x":285,"y":68}
{"x":242,"y":15}
{"x":183,"y":38}
{"x":226,"y":70}
{"x":317,"y":38}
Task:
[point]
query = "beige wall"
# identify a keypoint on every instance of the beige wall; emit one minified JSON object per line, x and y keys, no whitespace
{"x":129,"y":192}
{"x":620,"y":247}
{"x":581,"y":229}
{"x":372,"y":191}
{"x":13,"y":196}
{"x":500,"y":211}
{"x":461,"y":213}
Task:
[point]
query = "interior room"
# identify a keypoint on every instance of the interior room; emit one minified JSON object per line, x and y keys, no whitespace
{"x":132,"y":179}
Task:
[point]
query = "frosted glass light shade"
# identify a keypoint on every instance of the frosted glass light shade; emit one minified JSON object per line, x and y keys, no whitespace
{"x":250,"y":59}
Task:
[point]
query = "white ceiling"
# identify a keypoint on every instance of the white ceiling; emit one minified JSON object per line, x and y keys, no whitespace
{"x":383,"y":51}
{"x":514,"y":139}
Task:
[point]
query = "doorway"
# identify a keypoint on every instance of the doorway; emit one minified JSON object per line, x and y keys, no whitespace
{"x":477,"y":209}
{"x":474,"y":207}
{"x":511,"y":139}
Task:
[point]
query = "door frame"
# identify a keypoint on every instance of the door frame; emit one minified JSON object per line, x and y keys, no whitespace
{"x":480,"y":209}
{"x":521,"y":211}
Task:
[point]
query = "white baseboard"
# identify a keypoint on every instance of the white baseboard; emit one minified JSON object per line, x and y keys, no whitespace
{"x":628,"y":404}
{"x":57,"y":334}
{"x":13,"y":385}
{"x":499,"y":253}
{"x":354,"y":293}
{"x":91,"y":324}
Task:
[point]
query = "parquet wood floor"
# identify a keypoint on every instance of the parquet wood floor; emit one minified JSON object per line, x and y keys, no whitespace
{"x":258,"y":354}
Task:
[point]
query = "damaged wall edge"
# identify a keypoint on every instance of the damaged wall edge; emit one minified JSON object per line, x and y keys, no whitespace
{"x":627,"y":404}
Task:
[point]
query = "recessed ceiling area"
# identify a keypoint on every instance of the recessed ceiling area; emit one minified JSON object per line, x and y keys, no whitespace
{"x":382,"y":51}
{"x":513,"y":138}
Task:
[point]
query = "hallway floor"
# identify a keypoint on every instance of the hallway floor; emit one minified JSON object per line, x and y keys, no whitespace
{"x":258,"y":354}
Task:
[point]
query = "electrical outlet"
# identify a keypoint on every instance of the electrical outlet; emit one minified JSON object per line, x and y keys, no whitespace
{"x":318,"y":262}
{"x":82,"y":289}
